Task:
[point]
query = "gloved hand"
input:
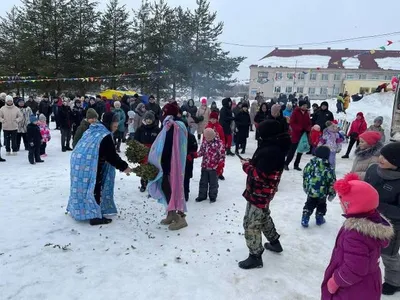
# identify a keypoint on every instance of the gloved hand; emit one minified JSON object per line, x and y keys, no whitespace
{"x":190,"y":157}
{"x":332,"y":286}
{"x":331,"y":197}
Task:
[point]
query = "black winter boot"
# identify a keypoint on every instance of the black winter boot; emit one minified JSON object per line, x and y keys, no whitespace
{"x":221,"y":177}
{"x":274,"y":246}
{"x":229,"y":152}
{"x":388,"y":289}
{"x":252,"y":262}
{"x":98,"y":221}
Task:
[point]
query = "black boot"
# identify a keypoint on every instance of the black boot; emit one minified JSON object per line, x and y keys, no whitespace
{"x":63,"y":149}
{"x":198,"y":199}
{"x":221,"y":177}
{"x":286,"y":167}
{"x":98,"y":221}
{"x":2,"y":159}
{"x":252,"y":262}
{"x":274,"y":246}
{"x":345,"y":156}
{"x":229,"y":152}
{"x":388,"y":289}
{"x":68,"y":148}
{"x":297,"y":168}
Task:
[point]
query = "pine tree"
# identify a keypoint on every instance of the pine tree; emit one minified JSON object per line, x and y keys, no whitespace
{"x":114,"y":39}
{"x":11,"y":59}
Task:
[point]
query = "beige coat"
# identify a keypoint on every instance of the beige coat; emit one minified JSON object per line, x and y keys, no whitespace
{"x":204,"y":112}
{"x":10,"y":116}
{"x":365,"y":158}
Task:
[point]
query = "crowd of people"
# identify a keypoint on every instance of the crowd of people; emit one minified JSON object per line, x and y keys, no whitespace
{"x":177,"y":135}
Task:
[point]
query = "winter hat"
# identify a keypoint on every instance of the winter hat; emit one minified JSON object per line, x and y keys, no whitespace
{"x":378,"y":120}
{"x":316,"y":127}
{"x":136,"y":96}
{"x":214,"y":115}
{"x":324,"y":103}
{"x":171,"y":109}
{"x":289,"y":106}
{"x":371,"y":137}
{"x":392,"y":153}
{"x":356,"y":196}
{"x":323,"y":152}
{"x":42,"y":117}
{"x":269,"y":128}
{"x":244,"y":105}
{"x":20,"y":100}
{"x":203,"y":101}
{"x":131,"y":114}
{"x":302,"y":102}
{"x":3,"y":96}
{"x":108,"y":118}
{"x":149,"y":115}
{"x":33,"y":119}
{"x":117,"y":104}
{"x":275,"y":109}
{"x":360,"y":114}
{"x":9,"y":98}
{"x":91,"y":114}
{"x":151,"y":97}
{"x":330,"y":123}
{"x":209,"y":134}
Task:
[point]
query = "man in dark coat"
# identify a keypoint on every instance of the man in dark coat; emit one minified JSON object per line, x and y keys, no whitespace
{"x":225,"y":119}
{"x":65,"y":116}
{"x":323,"y":115}
{"x":78,"y":115}
{"x":155,"y":108}
{"x":135,"y":103}
{"x":243,"y":122}
{"x":33,"y":105}
{"x":45,"y":108}
{"x":300,"y":123}
{"x":100,"y":106}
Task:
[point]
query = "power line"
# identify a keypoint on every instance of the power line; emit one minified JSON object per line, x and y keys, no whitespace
{"x":366,"y":37}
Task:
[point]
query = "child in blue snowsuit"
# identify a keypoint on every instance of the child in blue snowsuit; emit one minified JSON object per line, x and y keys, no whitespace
{"x":318,"y":179}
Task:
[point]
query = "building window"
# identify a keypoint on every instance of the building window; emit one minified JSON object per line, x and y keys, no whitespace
{"x":290,"y":76}
{"x":389,"y":77}
{"x":338,"y":77}
{"x":336,"y":91}
{"x":289,"y":89}
{"x":311,"y":91}
{"x":362,"y":76}
{"x":313,"y":76}
{"x":301,"y":76}
{"x":278,"y":76}
{"x":324,"y":91}
{"x":263,"y":75}
{"x":349,"y":76}
{"x":277,"y":89}
{"x":375,"y":76}
{"x":325,"y":77}
{"x":300,"y":90}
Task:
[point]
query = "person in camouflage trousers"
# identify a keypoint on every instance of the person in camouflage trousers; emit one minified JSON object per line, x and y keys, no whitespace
{"x":318,"y":179}
{"x":264,"y":173}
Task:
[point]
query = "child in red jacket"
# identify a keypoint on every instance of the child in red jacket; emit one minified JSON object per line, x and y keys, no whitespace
{"x":213,"y":152}
{"x":214,"y":124}
{"x":358,"y":126}
{"x":315,"y":136}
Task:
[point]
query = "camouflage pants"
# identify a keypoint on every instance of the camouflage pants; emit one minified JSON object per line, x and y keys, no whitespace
{"x":257,"y":220}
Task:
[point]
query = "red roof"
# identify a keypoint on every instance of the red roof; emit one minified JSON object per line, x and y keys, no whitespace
{"x":367,"y":60}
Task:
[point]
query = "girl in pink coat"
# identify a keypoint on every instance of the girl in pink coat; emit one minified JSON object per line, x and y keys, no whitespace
{"x":353,"y":272}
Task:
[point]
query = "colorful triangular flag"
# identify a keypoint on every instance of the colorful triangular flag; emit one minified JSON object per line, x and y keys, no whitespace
{"x":389,"y":42}
{"x":372,"y":51}
{"x":382,"y":48}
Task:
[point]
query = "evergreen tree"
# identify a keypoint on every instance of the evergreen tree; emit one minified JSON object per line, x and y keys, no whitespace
{"x":114,"y":39}
{"x":10,"y":38}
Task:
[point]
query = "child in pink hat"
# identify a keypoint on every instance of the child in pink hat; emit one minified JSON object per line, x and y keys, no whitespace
{"x":353,"y":272}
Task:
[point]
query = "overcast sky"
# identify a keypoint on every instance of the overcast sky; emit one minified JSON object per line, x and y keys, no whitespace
{"x":286,"y":22}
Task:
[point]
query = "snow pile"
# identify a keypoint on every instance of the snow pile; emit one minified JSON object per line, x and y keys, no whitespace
{"x":372,"y":106}
{"x":302,"y":61}
{"x":351,"y":63}
{"x":388,"y":63}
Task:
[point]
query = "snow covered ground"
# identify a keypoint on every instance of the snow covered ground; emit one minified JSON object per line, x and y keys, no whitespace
{"x":136,"y":258}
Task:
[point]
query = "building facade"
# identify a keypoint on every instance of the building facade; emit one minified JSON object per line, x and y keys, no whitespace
{"x":320,"y":74}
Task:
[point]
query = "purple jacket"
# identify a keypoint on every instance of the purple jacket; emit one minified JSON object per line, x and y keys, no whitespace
{"x":355,"y":260}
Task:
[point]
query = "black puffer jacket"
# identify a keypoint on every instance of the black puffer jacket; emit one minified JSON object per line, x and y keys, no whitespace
{"x":323,"y":116}
{"x":243,"y":123}
{"x":261,"y":116}
{"x":226,"y":116}
{"x":64,"y":116}
{"x":387,"y":183}
{"x":192,"y":109}
{"x":147,"y":134}
{"x":33,"y":135}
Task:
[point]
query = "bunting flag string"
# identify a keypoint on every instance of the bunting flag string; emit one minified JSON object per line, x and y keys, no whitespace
{"x":34,"y":79}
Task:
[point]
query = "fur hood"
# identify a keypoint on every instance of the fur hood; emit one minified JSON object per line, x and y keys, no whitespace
{"x":367,"y":153}
{"x":369,"y":228}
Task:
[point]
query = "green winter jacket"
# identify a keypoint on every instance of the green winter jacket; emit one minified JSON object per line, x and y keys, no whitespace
{"x":340,"y":98}
{"x":79,"y":132}
{"x":122,"y":118}
{"x":318,"y":178}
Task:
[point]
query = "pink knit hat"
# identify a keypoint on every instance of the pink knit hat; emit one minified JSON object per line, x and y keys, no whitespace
{"x":371,"y":137}
{"x":355,"y":195}
{"x":203,"y":101}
